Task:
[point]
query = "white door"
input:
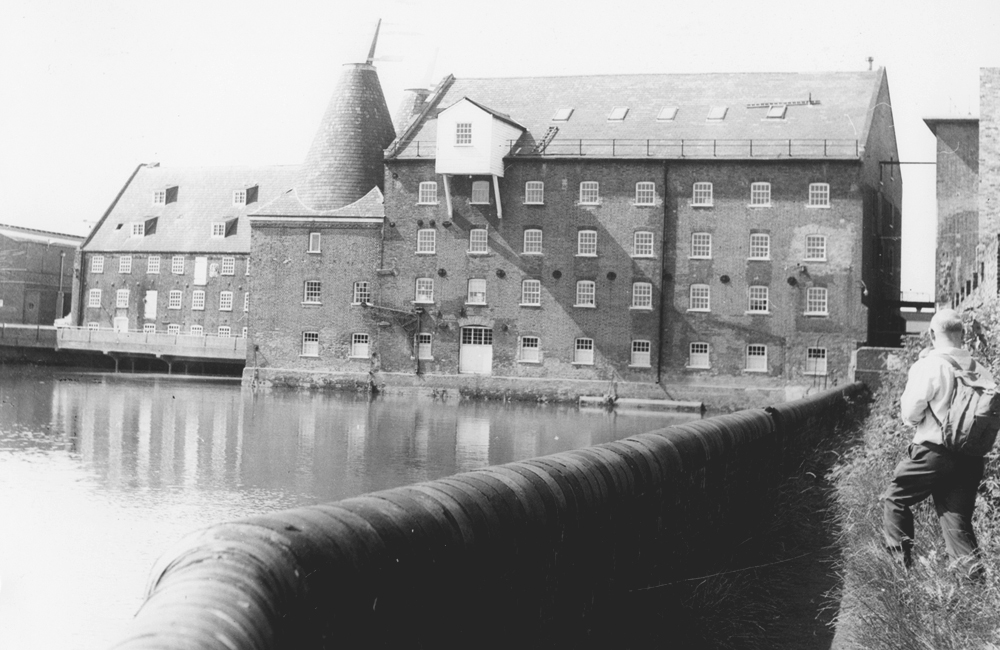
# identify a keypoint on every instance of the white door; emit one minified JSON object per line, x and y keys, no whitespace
{"x":121,"y":323}
{"x":150,"y":308}
{"x":476,"y":355}
{"x":201,"y":271}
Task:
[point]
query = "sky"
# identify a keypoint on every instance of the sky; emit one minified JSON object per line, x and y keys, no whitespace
{"x":92,"y":89}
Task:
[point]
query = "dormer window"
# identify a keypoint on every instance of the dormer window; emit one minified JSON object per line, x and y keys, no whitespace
{"x":160,"y":197}
{"x":240,"y":197}
{"x":717,"y":113}
{"x":562,"y":115}
{"x":138,"y":229}
{"x":777,"y":112}
{"x":667,"y":114}
{"x":218,"y":229}
{"x":463,"y":133}
{"x":618,"y":114}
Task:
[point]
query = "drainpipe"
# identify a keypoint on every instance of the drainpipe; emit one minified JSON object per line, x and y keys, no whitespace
{"x":60,"y":300}
{"x":663,"y":293}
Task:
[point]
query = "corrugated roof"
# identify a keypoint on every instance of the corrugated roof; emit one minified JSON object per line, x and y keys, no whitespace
{"x":204,"y":196}
{"x":843,"y":101}
{"x":19,"y":233}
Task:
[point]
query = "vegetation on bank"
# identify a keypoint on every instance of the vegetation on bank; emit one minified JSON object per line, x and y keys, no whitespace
{"x":883,"y":605}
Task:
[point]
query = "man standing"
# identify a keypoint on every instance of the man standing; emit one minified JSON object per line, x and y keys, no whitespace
{"x":930,"y":468}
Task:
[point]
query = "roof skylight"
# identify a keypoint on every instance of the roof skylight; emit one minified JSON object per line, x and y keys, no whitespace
{"x":667,"y":114}
{"x":562,"y":115}
{"x":776,"y":112}
{"x":618,"y":114}
{"x":717,"y":112}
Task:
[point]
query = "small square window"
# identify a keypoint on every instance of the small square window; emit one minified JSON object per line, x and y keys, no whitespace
{"x":149,"y":328}
{"x":618,"y":113}
{"x":125,"y":264}
{"x":225,"y":332}
{"x":641,"y":354}
{"x":480,"y":193}
{"x":94,"y":298}
{"x":463,"y":133}
{"x":243,"y":334}
{"x":173,"y":328}
{"x":531,"y":293}
{"x":228,"y":266}
{"x":534,"y":193}
{"x":701,"y":194}
{"x":312,"y":292}
{"x":478,"y":241}
{"x":642,"y":244}
{"x":310,"y":344}
{"x":667,"y":114}
{"x":816,"y":248}
{"x":160,"y":197}
{"x":93,"y":326}
{"x":360,"y":346}
{"x":246,"y":301}
{"x":700,"y":298}
{"x":645,"y":193}
{"x":198,"y":300}
{"x":218,"y":229}
{"x":197,"y":330}
{"x":583,"y":352}
{"x":97,"y":264}
{"x":177,"y":265}
{"x":698,"y":355}
{"x":758,"y":302}
{"x":239,"y":197}
{"x":816,"y":301}
{"x":562,"y":115}
{"x":815,"y":361}
{"x":717,"y":113}
{"x":760,"y":194}
{"x":819,"y":195}
{"x":362,"y":293}
{"x":428,"y":194}
{"x":426,"y":241}
{"x":760,"y":246}
{"x":532,"y":242}
{"x":701,"y":245}
{"x":756,"y":358}
{"x":776,"y":111}
{"x":586,"y":243}
{"x":424,"y":350}
{"x":590,"y":193}
{"x":225,"y":301}
{"x":153,"y":264}
{"x":139,"y":229}
{"x":176,"y":298}
{"x":424,"y":290}
{"x":121,"y":299}
{"x":314,"y":242}
{"x":586,"y":291}
{"x":529,"y":350}
{"x":477,"y":292}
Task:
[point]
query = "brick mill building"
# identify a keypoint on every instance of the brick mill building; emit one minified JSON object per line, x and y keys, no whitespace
{"x":36,"y":275}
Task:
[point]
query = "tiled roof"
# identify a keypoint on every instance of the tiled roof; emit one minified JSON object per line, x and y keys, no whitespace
{"x":19,"y":233}
{"x":289,"y":205}
{"x":842,"y":106}
{"x":204,"y":196}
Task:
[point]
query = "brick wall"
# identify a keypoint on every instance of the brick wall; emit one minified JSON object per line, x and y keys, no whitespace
{"x":989,"y":174}
{"x":957,"y":209}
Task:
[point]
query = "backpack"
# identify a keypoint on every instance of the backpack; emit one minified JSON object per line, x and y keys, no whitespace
{"x":974,"y":415}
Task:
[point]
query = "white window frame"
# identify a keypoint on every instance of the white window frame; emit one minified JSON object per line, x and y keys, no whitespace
{"x":218,"y":229}
{"x":643,"y":242}
{"x":224,"y":332}
{"x":246,"y":302}
{"x":197,"y":330}
{"x":362,"y":293}
{"x":642,"y":354}
{"x":700,"y":297}
{"x":225,"y":301}
{"x":583,"y":352}
{"x":480,"y":194}
{"x":463,"y":134}
{"x":586,"y":294}
{"x":426,"y":241}
{"x":174,"y":328}
{"x":642,"y":296}
{"x":702,"y":194}
{"x":159,"y":197}
{"x":476,"y":294}
{"x":198,"y":300}
{"x":760,"y":195}
{"x":618,"y":114}
{"x":153,"y":265}
{"x":423,"y":291}
{"x":756,"y":358}
{"x":816,"y":362}
{"x":243,"y":332}
{"x":531,"y":293}
{"x":532,"y":242}
{"x":562,"y":115}
{"x":312,"y":292}
{"x":239,"y":197}
{"x":310,"y":344}
{"x":97,"y":264}
{"x":590,"y":193}
{"x":717,"y":113}
{"x":667,"y":114}
{"x":177,"y":265}
{"x":701,"y":245}
{"x":817,"y":301}
{"x":424,"y":342}
{"x":534,"y":193}
{"x":819,"y":195}
{"x":315,"y":242}
{"x":94,"y":298}
{"x":818,"y":245}
{"x":645,"y":193}
{"x":479,"y":239}
{"x":228,"y":266}
{"x":149,"y":328}
{"x":125,"y":264}
{"x":361,"y":345}
{"x":176,"y":299}
{"x":427,"y":193}
{"x":776,"y":112}
{"x":586,"y":243}
{"x":529,"y":349}
{"x":121,"y":299}
{"x":760,"y":246}
{"x":138,"y":229}
{"x":757,"y":294}
{"x":698,"y":355}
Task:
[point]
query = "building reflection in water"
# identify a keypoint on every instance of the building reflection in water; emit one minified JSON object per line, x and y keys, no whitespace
{"x":170,"y":434}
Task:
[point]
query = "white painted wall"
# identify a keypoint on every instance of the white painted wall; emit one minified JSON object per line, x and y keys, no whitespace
{"x":490,"y":138}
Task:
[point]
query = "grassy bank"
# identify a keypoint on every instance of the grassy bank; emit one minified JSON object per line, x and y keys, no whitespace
{"x":884,"y":606}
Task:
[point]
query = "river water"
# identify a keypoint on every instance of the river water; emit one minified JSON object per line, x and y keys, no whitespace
{"x":100,"y":474}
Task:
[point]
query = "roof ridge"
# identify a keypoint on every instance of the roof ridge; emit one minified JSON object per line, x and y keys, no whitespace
{"x":668,"y":74}
{"x":38,"y":230}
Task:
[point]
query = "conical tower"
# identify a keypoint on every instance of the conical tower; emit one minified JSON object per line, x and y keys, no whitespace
{"x":345,"y":160}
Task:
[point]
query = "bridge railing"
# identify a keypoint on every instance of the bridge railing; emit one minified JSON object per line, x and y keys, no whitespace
{"x":528,"y":554}
{"x":157,"y":343}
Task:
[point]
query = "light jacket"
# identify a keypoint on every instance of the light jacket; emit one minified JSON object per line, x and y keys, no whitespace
{"x":929,"y":387}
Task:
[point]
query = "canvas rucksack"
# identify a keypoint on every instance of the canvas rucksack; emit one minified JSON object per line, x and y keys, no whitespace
{"x":974,"y":415}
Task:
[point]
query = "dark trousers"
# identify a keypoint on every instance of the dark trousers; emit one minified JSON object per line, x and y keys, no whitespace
{"x":953,"y":480}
